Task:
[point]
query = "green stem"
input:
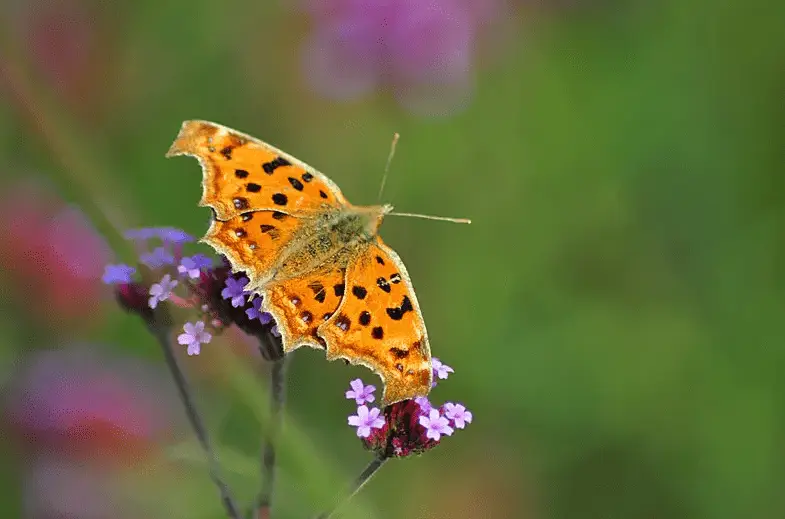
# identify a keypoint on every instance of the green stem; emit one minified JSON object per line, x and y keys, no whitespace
{"x":162,"y":334}
{"x":277,"y":401}
{"x":365,"y":476}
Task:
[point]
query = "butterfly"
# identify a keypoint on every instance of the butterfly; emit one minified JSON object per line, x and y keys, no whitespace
{"x":317,"y":260}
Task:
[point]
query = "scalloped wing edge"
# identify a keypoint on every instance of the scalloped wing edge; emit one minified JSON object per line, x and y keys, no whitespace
{"x":289,"y":344}
{"x":183,"y":145}
{"x":234,"y":262}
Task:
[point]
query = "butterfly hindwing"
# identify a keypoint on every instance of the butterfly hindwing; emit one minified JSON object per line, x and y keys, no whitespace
{"x":300,"y":305}
{"x":379,"y":324}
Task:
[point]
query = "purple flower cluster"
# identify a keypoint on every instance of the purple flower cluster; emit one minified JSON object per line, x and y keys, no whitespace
{"x":191,"y":282}
{"x":407,"y":427}
{"x":422,"y":49}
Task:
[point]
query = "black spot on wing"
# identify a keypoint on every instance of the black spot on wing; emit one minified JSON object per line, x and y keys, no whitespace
{"x":296,"y":184}
{"x":343,"y":322}
{"x":270,"y":167}
{"x":397,"y":313}
{"x":399,"y":353}
{"x":365,"y":318}
{"x":319,"y":293}
{"x":383,"y":284}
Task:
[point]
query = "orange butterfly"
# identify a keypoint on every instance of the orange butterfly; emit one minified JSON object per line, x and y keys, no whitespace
{"x":318,"y":261}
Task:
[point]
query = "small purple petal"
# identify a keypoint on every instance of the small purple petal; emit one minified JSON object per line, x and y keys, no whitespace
{"x":173,"y":235}
{"x":194,"y":337}
{"x":162,"y":290}
{"x":158,"y":258}
{"x":357,"y":385}
{"x":439,"y":369}
{"x":192,"y":266}
{"x":365,"y":420}
{"x":424,"y":403}
{"x":435,"y":425}
{"x":118,"y":274}
{"x":360,"y":393}
{"x":165,"y":234}
{"x":234,"y":290}
{"x":458,"y":414}
{"x":255,"y":312}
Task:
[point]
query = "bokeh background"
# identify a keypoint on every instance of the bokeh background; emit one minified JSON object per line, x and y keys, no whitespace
{"x":613,"y":314}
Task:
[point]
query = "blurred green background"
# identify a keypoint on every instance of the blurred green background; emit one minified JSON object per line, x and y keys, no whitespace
{"x":613,"y":314}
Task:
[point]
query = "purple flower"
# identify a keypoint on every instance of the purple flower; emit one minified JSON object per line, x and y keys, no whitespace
{"x":360,"y":393}
{"x":410,"y":426}
{"x":234,"y":290}
{"x":275,"y":331}
{"x":424,"y":403}
{"x":157,"y":259}
{"x":173,"y":235}
{"x":255,"y":312}
{"x":194,"y":337}
{"x":141,"y":234}
{"x":458,"y":414}
{"x":192,"y":265}
{"x":162,"y":290}
{"x":436,"y":425}
{"x":423,"y":49}
{"x":118,"y":274}
{"x":165,"y":234}
{"x":365,"y":420}
{"x":441,"y":370}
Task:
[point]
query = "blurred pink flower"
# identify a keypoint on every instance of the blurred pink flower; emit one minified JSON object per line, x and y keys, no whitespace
{"x":59,"y":488}
{"x":66,"y":43}
{"x":53,"y":256}
{"x":422,"y":49}
{"x":84,"y":404}
{"x":87,"y":424}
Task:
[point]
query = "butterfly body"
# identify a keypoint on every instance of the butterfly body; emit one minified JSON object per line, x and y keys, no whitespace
{"x":332,"y":238}
{"x":316,"y":259}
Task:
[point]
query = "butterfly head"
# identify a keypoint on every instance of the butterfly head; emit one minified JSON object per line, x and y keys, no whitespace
{"x":371,"y":218}
{"x":384,"y":210}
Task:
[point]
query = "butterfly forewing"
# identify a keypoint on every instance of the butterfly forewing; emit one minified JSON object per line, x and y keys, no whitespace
{"x":241,"y":174}
{"x":253,"y":241}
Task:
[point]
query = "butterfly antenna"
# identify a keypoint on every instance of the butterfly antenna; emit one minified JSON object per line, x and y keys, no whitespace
{"x":430,"y":217}
{"x":389,"y":161}
{"x":410,"y":215}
